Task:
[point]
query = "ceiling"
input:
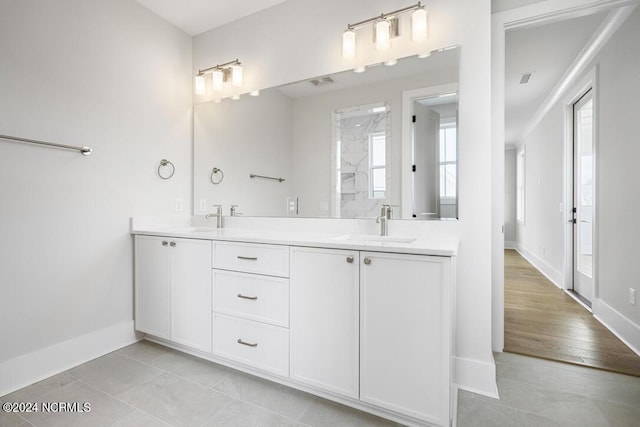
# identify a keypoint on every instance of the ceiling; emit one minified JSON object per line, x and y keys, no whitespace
{"x":547,"y":51}
{"x":197,"y":16}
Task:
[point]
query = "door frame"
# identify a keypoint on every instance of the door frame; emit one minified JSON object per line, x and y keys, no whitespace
{"x":588,"y":82}
{"x":543,"y":12}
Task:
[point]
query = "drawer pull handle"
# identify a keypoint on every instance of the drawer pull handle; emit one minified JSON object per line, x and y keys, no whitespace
{"x":165,"y":243}
{"x":367,"y":260}
{"x":248,"y":258}
{"x":246,"y":297}
{"x":172,"y":244}
{"x":350,"y":259}
{"x":248,"y":344}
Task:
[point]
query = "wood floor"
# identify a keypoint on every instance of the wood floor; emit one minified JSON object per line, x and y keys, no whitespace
{"x":541,"y":320}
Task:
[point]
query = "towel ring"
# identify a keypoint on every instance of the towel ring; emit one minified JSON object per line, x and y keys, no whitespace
{"x":214,"y":172}
{"x":164,"y":163}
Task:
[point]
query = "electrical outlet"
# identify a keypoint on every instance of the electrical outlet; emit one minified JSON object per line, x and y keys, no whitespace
{"x":178,"y":205}
{"x":632,"y":296}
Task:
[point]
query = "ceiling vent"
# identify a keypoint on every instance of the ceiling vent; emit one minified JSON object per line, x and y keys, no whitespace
{"x":524,"y":79}
{"x":322,"y":81}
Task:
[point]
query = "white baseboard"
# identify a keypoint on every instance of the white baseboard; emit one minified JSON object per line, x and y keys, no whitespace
{"x":476,"y":376}
{"x":620,"y":326}
{"x":555,"y":276}
{"x":33,"y":367}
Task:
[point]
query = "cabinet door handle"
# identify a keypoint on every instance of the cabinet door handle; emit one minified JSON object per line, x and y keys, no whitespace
{"x":248,"y":344}
{"x":172,"y":244}
{"x":165,"y":243}
{"x":367,"y":260}
{"x":248,"y":258}
{"x":246,"y":297}
{"x":350,"y":259}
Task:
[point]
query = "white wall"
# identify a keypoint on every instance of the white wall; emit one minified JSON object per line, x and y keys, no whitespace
{"x":248,"y":136}
{"x":510,"y":221}
{"x":112,"y":76}
{"x":617,"y":204}
{"x":301,"y":38}
{"x":618,"y":201}
{"x":541,"y":237}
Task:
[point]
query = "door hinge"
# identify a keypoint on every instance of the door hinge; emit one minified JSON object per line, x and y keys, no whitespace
{"x":413,"y":118}
{"x":413,"y":168}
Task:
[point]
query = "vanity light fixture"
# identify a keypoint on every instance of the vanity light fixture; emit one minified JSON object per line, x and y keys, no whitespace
{"x":385,"y":27}
{"x":220,"y":74}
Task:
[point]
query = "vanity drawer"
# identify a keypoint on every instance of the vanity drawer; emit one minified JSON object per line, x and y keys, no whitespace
{"x":251,"y":296}
{"x":256,"y":344}
{"x":272,"y":260}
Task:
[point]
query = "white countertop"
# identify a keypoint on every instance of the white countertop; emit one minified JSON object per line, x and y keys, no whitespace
{"x":439,"y":246}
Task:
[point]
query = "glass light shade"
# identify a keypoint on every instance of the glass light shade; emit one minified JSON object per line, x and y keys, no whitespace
{"x":236,"y":75}
{"x":254,"y":93}
{"x":200,"y":85}
{"x":217,"y":77}
{"x":359,"y":69}
{"x":349,"y":44}
{"x":235,"y":96}
{"x":390,"y":62}
{"x":419,"y":29}
{"x":383,"y":34}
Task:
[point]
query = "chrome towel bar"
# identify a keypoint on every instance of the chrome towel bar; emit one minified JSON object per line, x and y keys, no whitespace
{"x":265,"y":177}
{"x":83,"y":150}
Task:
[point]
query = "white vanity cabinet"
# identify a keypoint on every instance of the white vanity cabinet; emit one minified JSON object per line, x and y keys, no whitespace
{"x":405,"y":334}
{"x":324,"y":319}
{"x":367,"y":328}
{"x":250,"y":300}
{"x":173,"y":289}
{"x":374,"y":326}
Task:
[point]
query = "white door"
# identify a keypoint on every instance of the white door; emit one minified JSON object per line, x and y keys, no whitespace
{"x":152,"y":286}
{"x":191,"y":293}
{"x":404,"y":334}
{"x":426,"y":172}
{"x":324,"y":319}
{"x":583,"y":196}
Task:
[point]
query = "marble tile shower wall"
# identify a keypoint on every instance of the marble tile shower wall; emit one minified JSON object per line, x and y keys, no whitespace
{"x":353,"y":134}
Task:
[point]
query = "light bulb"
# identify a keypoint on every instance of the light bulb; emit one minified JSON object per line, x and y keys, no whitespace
{"x":235,"y":96}
{"x":349,"y":44}
{"x":419,"y":25}
{"x":217,"y":77}
{"x":200,"y":85}
{"x":359,"y":69}
{"x":390,"y":62}
{"x":383,"y":35}
{"x":236,"y":75}
{"x":254,"y":93}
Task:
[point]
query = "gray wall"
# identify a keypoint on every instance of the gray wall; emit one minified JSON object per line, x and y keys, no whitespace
{"x":112,"y":76}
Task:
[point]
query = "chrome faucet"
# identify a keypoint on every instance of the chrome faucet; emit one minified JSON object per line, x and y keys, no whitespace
{"x":233,"y":211}
{"x":218,"y":215}
{"x":385,"y":215}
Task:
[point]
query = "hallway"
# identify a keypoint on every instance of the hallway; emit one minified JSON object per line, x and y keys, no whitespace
{"x":541,"y":320}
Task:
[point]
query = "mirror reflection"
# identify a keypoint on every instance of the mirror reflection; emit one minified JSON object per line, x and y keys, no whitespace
{"x":337,"y":146}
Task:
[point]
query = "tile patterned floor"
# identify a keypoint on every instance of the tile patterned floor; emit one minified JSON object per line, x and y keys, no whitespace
{"x":146,"y":384}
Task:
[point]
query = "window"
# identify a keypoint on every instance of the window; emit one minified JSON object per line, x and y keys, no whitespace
{"x":377,"y":165}
{"x":448,"y":160}
{"x":520,"y":186}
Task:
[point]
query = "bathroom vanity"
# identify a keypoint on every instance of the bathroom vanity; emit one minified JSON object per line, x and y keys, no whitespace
{"x":362,"y":320}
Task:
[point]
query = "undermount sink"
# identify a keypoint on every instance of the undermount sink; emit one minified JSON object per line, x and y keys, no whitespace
{"x":370,"y":238}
